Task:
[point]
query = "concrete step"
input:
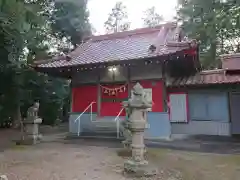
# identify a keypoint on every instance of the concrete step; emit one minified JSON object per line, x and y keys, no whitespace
{"x":100,"y":129}
{"x":95,"y":135}
{"x":100,"y":133}
{"x":111,"y":124}
{"x":108,"y":118}
{"x":102,"y":125}
{"x":106,"y":122}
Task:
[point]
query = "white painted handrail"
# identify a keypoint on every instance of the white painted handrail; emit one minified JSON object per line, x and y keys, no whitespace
{"x":79,"y":117}
{"x":117,"y":122}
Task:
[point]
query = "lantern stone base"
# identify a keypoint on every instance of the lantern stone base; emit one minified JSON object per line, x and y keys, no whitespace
{"x":30,"y":140}
{"x":139,"y":169}
{"x":127,"y":144}
{"x":30,"y":134}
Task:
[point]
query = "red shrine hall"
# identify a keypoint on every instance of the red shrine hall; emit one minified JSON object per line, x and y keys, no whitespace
{"x":104,"y":68}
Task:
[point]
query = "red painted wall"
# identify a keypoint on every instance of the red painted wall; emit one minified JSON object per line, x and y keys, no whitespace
{"x":112,"y":108}
{"x":82,"y":97}
{"x":157,"y":93}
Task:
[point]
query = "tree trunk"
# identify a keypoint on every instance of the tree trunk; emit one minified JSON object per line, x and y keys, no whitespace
{"x":17,"y":118}
{"x":238,"y":48}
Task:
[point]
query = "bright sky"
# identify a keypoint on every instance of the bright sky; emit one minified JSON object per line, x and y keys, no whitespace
{"x":99,"y":10}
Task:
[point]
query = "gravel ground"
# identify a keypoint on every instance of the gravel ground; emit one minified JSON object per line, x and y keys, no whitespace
{"x":56,"y":161}
{"x":59,"y":159}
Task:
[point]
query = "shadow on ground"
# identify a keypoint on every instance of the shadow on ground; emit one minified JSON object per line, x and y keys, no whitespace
{"x":208,"y":144}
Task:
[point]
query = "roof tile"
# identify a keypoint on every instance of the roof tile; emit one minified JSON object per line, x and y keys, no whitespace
{"x":206,"y":78}
{"x":127,"y":45}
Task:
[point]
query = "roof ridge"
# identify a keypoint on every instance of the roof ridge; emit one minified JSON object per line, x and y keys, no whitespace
{"x":80,"y":48}
{"x":49,"y":60}
{"x":213,"y":71}
{"x":137,"y":31}
{"x":229,"y":56}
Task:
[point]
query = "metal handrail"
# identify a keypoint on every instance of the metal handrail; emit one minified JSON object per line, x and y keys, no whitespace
{"x":117,"y":122}
{"x":79,"y":117}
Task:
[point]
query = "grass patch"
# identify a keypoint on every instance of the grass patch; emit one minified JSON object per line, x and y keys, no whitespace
{"x":150,"y":153}
{"x":228,"y":159}
{"x":196,"y":166}
{"x":156,"y":154}
{"x":124,"y":152}
{"x":18,"y":147}
{"x":187,"y":165}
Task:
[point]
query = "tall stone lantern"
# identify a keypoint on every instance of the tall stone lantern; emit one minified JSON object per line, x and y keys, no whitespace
{"x":138,"y":106}
{"x":30,"y":126}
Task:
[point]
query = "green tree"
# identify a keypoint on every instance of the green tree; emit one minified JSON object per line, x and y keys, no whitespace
{"x":215,"y":24}
{"x":117,"y":20}
{"x":19,"y":22}
{"x":70,"y":20}
{"x":151,"y":18}
{"x":27,"y":33}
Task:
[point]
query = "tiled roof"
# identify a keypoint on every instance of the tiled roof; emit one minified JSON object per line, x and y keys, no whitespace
{"x":231,"y":62}
{"x":126,"y":45}
{"x":210,"y":77}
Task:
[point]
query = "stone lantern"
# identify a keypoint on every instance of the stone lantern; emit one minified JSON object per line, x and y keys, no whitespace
{"x":137,"y":123}
{"x":30,"y":126}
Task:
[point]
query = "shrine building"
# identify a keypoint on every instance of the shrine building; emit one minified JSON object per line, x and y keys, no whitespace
{"x":104,"y":68}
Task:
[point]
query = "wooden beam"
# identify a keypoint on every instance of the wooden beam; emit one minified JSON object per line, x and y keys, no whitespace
{"x":99,"y":94}
{"x":229,"y":96}
{"x":165,"y":95}
{"x":71,"y":99}
{"x":129,"y":81}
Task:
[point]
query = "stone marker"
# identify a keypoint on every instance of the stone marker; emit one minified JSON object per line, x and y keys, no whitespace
{"x":30,"y":126}
{"x":137,"y":123}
